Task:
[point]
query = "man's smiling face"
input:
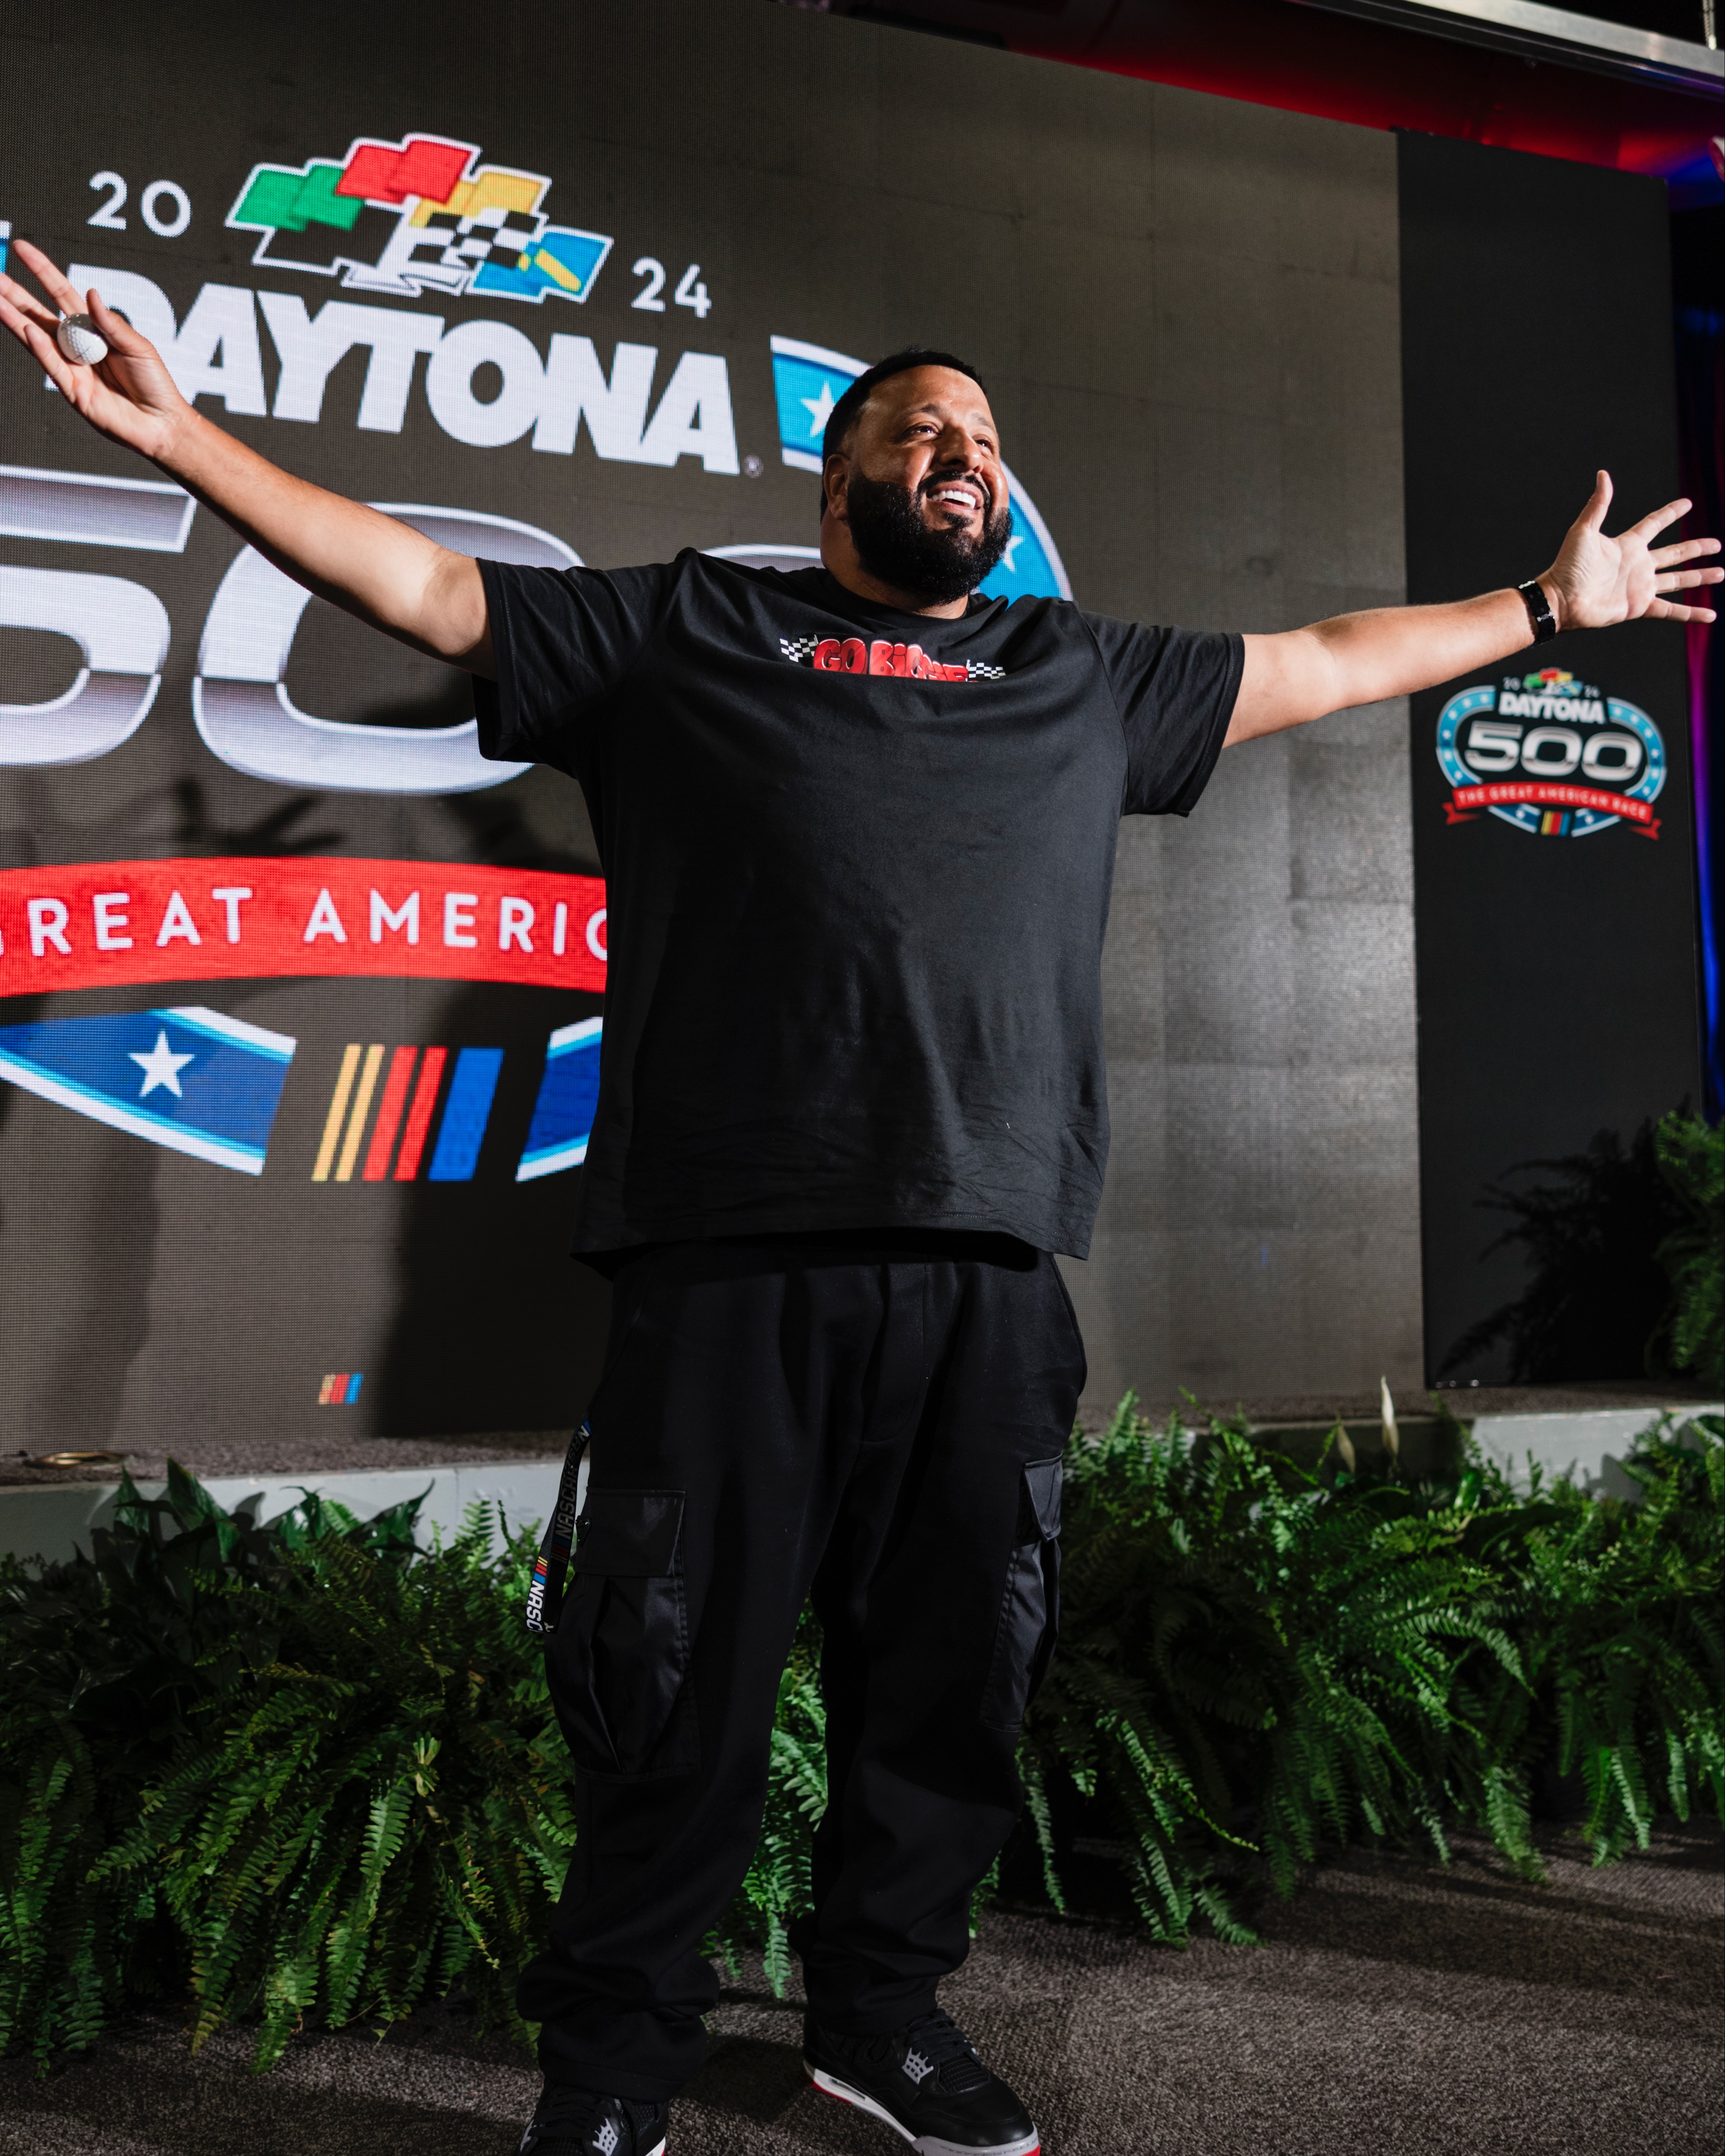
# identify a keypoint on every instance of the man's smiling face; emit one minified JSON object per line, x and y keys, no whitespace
{"x":918,"y":494}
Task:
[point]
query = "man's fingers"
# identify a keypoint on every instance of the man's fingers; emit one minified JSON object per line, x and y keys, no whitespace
{"x":1665,"y":557}
{"x":112,"y":326}
{"x":26,"y":303}
{"x":1687,"y":580}
{"x":34,"y":331}
{"x":60,"y":289}
{"x":14,"y":319}
{"x":43,"y":348}
{"x":1665,"y":610}
{"x":1598,"y":501}
{"x":1656,"y":519}
{"x":121,"y":335}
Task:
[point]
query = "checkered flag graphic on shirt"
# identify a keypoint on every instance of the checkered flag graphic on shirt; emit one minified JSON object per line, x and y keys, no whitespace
{"x":978,"y":669}
{"x":798,"y":649}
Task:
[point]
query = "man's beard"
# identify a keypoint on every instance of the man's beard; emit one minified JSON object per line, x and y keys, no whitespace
{"x":893,"y":543}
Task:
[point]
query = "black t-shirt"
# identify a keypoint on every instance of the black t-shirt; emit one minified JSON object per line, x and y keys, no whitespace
{"x":857,"y":866}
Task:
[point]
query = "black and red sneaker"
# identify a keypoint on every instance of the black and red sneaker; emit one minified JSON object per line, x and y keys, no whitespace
{"x":925,"y":2082}
{"x":580,"y":2122}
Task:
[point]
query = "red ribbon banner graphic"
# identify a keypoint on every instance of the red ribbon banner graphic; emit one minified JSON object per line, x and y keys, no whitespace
{"x":1548,"y":793}
{"x":114,"y":924}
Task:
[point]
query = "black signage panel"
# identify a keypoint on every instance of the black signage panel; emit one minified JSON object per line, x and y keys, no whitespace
{"x":1552,"y":828}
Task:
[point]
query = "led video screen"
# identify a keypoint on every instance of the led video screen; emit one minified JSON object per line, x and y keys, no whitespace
{"x":301,"y":999}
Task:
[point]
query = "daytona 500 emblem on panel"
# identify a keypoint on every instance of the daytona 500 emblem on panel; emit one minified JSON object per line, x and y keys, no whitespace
{"x":1553,"y":756}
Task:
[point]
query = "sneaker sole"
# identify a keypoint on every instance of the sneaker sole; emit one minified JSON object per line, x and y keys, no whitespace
{"x":926,"y":2144}
{"x":657,"y":2150}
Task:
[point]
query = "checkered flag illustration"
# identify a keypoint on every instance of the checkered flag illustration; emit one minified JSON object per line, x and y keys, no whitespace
{"x":469,"y":242}
{"x":978,"y":669}
{"x":798,"y":649}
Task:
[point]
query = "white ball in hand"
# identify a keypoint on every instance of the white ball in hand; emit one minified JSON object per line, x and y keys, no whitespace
{"x":78,"y":338}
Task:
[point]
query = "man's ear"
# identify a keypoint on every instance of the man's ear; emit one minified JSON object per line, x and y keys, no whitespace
{"x":835,"y":479}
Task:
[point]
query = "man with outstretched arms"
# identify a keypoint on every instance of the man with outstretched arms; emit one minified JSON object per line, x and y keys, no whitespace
{"x":858,"y":828}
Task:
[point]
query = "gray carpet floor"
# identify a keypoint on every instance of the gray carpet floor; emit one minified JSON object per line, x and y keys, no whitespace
{"x":1397,"y":2007}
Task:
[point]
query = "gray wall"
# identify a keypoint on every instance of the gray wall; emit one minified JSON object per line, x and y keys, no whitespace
{"x":1188,"y":312}
{"x":1188,"y":309}
{"x":1260,"y":1235}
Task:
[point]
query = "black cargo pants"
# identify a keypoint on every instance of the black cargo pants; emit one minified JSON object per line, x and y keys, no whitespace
{"x":878,"y":1426}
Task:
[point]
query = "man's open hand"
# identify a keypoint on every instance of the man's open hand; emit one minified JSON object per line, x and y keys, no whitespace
{"x":1596,"y":581}
{"x":131,"y":396}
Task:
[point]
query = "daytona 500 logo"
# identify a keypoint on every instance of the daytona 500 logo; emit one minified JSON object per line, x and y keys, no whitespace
{"x":1551,"y":755}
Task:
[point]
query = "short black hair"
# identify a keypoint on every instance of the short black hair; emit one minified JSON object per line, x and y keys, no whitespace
{"x":846,"y":411}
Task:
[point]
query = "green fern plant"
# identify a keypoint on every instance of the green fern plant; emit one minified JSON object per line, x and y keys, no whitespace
{"x":386,"y":1813}
{"x":102,"y":1662}
{"x":1616,"y":1610}
{"x":1690,"y":1153}
{"x":307,"y":1768}
{"x":1257,"y":1662}
{"x":311,"y":1771}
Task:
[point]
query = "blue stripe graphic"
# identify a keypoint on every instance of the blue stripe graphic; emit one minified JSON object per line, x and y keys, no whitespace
{"x":466,"y":1112}
{"x":568,"y":1095}
{"x":193,"y":1081}
{"x":215,"y":1026}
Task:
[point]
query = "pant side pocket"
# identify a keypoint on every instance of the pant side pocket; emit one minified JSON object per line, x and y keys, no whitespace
{"x":1029,"y":1607}
{"x":619,"y":1661}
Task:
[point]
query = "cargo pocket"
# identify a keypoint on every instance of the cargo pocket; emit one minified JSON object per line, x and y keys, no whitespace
{"x":1030,"y":1607}
{"x":621,"y":1653}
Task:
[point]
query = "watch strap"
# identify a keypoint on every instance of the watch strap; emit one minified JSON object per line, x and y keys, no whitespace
{"x":1539,"y":613}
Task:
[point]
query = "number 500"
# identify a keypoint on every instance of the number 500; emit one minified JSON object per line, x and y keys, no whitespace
{"x":1500,"y":745}
{"x":239,"y":699}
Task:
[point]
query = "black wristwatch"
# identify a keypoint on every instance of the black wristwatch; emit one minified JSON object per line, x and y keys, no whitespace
{"x":1539,"y":613}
